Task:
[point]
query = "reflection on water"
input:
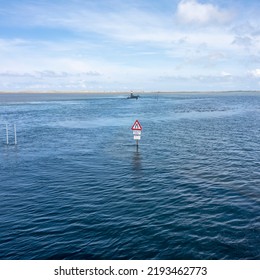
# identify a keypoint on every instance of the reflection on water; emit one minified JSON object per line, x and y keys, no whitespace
{"x":137,"y":159}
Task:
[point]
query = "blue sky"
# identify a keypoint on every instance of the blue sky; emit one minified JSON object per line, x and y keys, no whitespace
{"x":129,"y":45}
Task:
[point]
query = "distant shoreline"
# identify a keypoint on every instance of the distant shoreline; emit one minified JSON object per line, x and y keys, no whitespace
{"x":124,"y":92}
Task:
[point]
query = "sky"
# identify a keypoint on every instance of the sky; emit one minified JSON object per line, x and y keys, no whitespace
{"x":122,"y":45}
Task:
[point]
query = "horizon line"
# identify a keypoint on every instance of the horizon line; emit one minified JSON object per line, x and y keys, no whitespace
{"x":119,"y":91}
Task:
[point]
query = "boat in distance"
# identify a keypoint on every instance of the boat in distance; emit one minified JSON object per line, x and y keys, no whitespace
{"x":133,"y":96}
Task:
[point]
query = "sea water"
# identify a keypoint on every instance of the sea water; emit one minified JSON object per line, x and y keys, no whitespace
{"x":76,"y":186}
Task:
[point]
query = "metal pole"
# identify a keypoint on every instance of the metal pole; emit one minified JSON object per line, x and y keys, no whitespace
{"x":15,"y":138}
{"x":6,"y":128}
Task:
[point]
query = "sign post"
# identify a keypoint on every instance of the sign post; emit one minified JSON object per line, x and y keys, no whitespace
{"x":6,"y":129}
{"x":15,"y":138}
{"x":137,"y":129}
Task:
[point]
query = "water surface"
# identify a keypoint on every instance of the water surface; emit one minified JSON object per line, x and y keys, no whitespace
{"x":75,"y":187}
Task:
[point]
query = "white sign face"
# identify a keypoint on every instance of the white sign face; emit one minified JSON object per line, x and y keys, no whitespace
{"x":137,"y":137}
{"x":137,"y":132}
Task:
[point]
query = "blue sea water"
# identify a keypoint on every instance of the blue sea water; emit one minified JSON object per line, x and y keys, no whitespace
{"x":76,"y":187}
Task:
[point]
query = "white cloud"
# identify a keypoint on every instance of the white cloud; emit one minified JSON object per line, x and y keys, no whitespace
{"x":255,"y":73}
{"x":131,"y":25}
{"x":48,"y":74}
{"x":225,"y":74}
{"x":191,"y":11}
{"x":124,"y":22}
{"x":244,"y":41}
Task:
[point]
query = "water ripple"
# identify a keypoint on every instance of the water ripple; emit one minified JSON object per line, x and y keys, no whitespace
{"x":76,"y":187}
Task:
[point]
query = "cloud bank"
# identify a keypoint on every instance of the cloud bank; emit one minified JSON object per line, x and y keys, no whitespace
{"x":129,"y":44}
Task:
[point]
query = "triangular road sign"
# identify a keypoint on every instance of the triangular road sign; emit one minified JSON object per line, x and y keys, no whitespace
{"x":136,"y":126}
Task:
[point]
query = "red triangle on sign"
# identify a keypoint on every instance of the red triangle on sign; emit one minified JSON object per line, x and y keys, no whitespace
{"x":136,"y":126}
